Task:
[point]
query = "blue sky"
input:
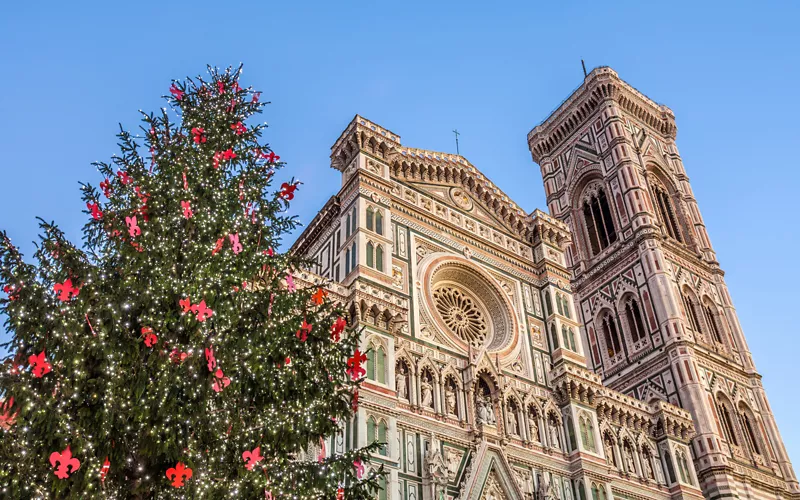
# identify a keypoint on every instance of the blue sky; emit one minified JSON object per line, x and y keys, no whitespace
{"x":73,"y":70}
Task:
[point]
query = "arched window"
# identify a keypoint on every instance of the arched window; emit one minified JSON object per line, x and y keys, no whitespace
{"x":647,"y":458}
{"x":633,"y":315}
{"x":376,"y":364}
{"x":558,"y":304}
{"x":710,"y":315}
{"x":581,"y":493}
{"x":384,"y":449}
{"x":566,"y":306}
{"x":347,"y":262}
{"x":598,"y":492}
{"x":565,"y":337}
{"x":749,"y":431}
{"x":347,"y":231}
{"x":553,"y":337}
{"x":548,"y":307}
{"x":354,"y":218}
{"x":370,"y":254}
{"x":571,"y":445}
{"x":666,"y":213}
{"x":611,"y":335}
{"x":379,"y":222}
{"x":379,"y":258}
{"x":598,"y":221}
{"x":571,"y":332}
{"x":370,"y":219}
{"x":382,"y":488}
{"x":689,"y":306}
{"x":683,"y":468}
{"x":726,"y":423}
{"x":353,"y":256}
{"x":587,"y":432}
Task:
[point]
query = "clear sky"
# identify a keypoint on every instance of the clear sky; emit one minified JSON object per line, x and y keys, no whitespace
{"x":71,"y":71}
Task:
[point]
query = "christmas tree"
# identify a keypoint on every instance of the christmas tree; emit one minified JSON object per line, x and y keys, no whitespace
{"x":172,"y":354}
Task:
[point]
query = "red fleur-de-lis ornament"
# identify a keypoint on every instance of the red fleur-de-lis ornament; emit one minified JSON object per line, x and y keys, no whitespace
{"x":97,"y":214}
{"x":319,"y":296}
{"x":104,"y":470}
{"x":220,"y":381}
{"x":12,"y":291}
{"x":239,"y":128}
{"x":202,"y":311}
{"x":179,"y":474}
{"x":290,"y":283}
{"x":235,"y":245}
{"x":252,"y":457}
{"x":210,"y":359}
{"x":287,"y":191}
{"x":186,"y":304}
{"x":7,"y":418}
{"x":64,"y":463}
{"x":337,"y":329}
{"x":354,"y":368}
{"x":176,"y":92}
{"x":106,"y":187}
{"x":187,"y":209}
{"x":304,"y":330}
{"x":66,"y":291}
{"x":150,"y":338}
{"x":359,"y":466}
{"x":198,"y":135}
{"x":133,"y":226}
{"x":218,"y":246}
{"x":124,"y":178}
{"x":177,"y":356}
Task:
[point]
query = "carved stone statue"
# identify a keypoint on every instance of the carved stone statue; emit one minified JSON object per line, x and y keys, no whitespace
{"x":629,"y":465}
{"x":555,"y":441}
{"x":401,"y":382}
{"x":609,"y":449}
{"x":450,"y":400}
{"x":512,"y":421}
{"x":426,"y":390}
{"x":534,"y":427}
{"x":648,"y":470}
{"x":480,"y":409}
{"x":491,"y":419}
{"x":546,"y":490}
{"x":453,"y":461}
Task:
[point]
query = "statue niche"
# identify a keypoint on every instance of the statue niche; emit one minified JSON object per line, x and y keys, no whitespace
{"x":484,"y":405}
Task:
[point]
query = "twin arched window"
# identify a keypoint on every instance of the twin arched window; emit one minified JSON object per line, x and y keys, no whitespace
{"x":666,"y":213}
{"x":599,"y":222}
{"x":726,"y":423}
{"x":587,"y":432}
{"x":611,"y":335}
{"x":749,"y":431}
{"x":563,"y":304}
{"x":350,"y":228}
{"x":377,"y":432}
{"x":376,"y":364}
{"x":712,"y":325}
{"x":375,"y":220}
{"x":568,"y":335}
{"x":633,"y":316}
{"x":375,"y":256}
{"x":598,"y":492}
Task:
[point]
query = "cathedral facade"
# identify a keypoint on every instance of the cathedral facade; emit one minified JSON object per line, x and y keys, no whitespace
{"x":592,"y":352}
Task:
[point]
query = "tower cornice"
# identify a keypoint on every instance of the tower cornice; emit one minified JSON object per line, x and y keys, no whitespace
{"x":600,"y":86}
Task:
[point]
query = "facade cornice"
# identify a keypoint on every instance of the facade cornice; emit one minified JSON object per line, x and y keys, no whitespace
{"x":600,"y":86}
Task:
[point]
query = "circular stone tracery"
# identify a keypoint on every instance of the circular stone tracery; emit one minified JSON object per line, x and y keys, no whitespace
{"x":466,"y":304}
{"x":461,"y":314}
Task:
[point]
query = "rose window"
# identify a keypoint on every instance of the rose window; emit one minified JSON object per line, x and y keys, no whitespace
{"x":467,"y":305}
{"x":461,"y":314}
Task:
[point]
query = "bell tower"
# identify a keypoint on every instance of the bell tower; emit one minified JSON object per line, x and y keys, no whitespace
{"x":659,"y":323}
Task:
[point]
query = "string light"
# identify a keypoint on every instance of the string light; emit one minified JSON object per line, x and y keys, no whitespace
{"x":148,"y":408}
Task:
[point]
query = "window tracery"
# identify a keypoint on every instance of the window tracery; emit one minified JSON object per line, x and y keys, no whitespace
{"x":597,"y":219}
